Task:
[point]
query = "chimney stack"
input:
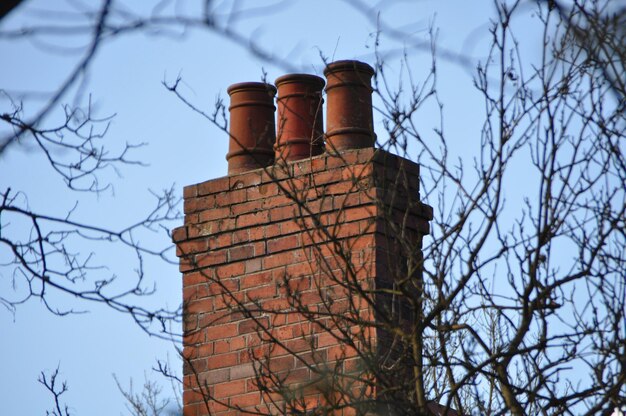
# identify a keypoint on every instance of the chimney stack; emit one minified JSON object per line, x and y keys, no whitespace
{"x":297,"y":230}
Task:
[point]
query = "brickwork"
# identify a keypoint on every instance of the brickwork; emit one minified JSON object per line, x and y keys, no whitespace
{"x":279,"y":266}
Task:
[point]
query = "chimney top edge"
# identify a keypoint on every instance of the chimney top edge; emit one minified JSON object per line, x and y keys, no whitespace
{"x":300,"y":78}
{"x":243,"y":86}
{"x":347,"y":64}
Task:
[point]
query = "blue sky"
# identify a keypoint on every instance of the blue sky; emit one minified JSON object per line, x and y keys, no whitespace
{"x":182,"y":148}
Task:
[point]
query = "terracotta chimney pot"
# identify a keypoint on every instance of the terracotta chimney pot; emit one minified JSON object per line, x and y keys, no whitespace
{"x":252,"y":130}
{"x":349,"y":117}
{"x":299,"y":119}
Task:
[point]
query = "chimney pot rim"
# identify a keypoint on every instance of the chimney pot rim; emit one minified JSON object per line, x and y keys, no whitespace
{"x":314,"y":80}
{"x":247,"y":86}
{"x":347,"y":64}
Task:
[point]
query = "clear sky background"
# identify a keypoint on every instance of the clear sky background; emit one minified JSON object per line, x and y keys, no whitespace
{"x":183,"y":148}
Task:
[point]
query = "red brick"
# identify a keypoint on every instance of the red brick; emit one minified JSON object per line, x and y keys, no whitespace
{"x":194,"y":278}
{"x":205,"y":350}
{"x":367,"y":226}
{"x":287,"y":227}
{"x":240,"y":253}
{"x":198,"y":367}
{"x":226,"y":224}
{"x":244,"y":356}
{"x":348,"y":230}
{"x":246,"y":207}
{"x":263,"y":292}
{"x":193,"y":337}
{"x":363,"y":242}
{"x":335,"y":161}
{"x":210,"y":259}
{"x":319,"y":205}
{"x":202,"y":229}
{"x":230,"y":270}
{"x":229,"y":300}
{"x":328,"y":176}
{"x":312,"y":193}
{"x":366,"y":155}
{"x":215,"y":407}
{"x":327,"y":338}
{"x":224,"y":285}
{"x":220,"y":241}
{"x":224,"y":199}
{"x":296,"y":184}
{"x":213,"y":214}
{"x":230,"y":388}
{"x":256,"y":233}
{"x":281,"y":213}
{"x":246,"y":400}
{"x":262,"y":191}
{"x":222,"y":346}
{"x":191,"y":293}
{"x":309,"y":298}
{"x":253,"y":265}
{"x":349,"y":200}
{"x":191,"y":408}
{"x":191,"y":247}
{"x":277,"y":319}
{"x":281,"y":364}
{"x":237,"y":343}
{"x":199,"y":203}
{"x":283,"y":243}
{"x":276,"y":173}
{"x":298,"y":376}
{"x":191,"y":218}
{"x":276,"y":260}
{"x":199,"y":306}
{"x":223,"y":331}
{"x":252,"y":325}
{"x":276,"y":201}
{"x":245,"y":180}
{"x":257,"y":279}
{"x":280,"y":304}
{"x":213,"y":377}
{"x":273,"y":230}
{"x":190,"y":396}
{"x":301,"y":329}
{"x":356,"y":172}
{"x":190,"y":191}
{"x":299,"y":284}
{"x":240,"y":236}
{"x":340,"y":188}
{"x":255,"y":218}
{"x":318,"y":164}
{"x":222,"y":360}
{"x":179,"y":234}
{"x":340,"y":352}
{"x":300,"y":269}
{"x":213,"y":186}
{"x":186,"y":264}
{"x":311,"y":358}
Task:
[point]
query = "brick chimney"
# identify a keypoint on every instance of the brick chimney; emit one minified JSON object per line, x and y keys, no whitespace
{"x":286,"y":260}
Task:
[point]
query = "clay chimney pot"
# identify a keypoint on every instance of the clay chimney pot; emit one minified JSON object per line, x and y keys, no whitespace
{"x":349,"y":117}
{"x":252,"y":130}
{"x":299,"y":119}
